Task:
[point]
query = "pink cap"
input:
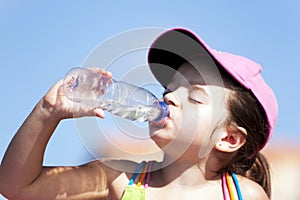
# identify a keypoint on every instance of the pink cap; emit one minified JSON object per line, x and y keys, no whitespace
{"x":179,"y":44}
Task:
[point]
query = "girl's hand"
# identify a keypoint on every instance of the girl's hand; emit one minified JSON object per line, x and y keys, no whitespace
{"x":60,"y":107}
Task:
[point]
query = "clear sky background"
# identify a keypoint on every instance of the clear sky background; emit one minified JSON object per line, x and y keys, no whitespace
{"x":41,"y":40}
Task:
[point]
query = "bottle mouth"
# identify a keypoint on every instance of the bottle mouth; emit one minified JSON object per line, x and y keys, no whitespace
{"x":164,"y":111}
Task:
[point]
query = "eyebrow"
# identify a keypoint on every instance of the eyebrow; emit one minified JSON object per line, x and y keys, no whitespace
{"x":199,"y":88}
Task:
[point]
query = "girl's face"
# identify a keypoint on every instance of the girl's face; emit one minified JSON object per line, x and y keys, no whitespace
{"x":196,"y":101}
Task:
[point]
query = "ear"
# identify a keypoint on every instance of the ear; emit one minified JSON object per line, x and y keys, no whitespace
{"x":232,"y":139}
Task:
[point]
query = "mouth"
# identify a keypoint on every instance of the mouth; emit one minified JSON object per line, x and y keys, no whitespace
{"x":162,"y":122}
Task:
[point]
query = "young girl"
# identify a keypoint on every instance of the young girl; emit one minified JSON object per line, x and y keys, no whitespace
{"x":221,"y":114}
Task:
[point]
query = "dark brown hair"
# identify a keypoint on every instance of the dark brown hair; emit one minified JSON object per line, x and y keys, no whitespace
{"x":245,"y":111}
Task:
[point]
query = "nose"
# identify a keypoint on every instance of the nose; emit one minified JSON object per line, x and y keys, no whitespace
{"x":171,"y":99}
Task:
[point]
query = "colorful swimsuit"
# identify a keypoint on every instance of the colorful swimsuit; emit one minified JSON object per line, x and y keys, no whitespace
{"x":137,"y":191}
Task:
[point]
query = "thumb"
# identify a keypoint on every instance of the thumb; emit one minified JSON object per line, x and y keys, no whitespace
{"x":99,"y":113}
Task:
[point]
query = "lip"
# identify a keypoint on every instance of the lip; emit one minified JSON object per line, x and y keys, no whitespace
{"x":162,"y":122}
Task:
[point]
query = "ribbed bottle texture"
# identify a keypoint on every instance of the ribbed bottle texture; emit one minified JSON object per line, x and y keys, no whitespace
{"x":117,"y":97}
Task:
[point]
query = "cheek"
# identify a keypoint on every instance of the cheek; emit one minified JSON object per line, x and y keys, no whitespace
{"x":196,"y":123}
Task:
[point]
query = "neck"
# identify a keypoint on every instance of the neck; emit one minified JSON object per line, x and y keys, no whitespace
{"x":187,"y":170}
{"x":181,"y":172}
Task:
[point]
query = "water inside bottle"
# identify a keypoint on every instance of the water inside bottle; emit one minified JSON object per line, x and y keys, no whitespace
{"x":140,"y":113}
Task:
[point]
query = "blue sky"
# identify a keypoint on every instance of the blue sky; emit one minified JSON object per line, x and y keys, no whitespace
{"x":41,"y":40}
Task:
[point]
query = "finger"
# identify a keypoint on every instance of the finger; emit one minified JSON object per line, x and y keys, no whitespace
{"x":106,"y":73}
{"x":99,"y":113}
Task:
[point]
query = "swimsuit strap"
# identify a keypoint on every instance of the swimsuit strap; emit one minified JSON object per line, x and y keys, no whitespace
{"x":143,"y":170}
{"x":135,"y":191}
{"x":148,"y":174}
{"x":237,"y":186}
{"x":136,"y":172}
{"x":224,"y":187}
{"x":230,"y":186}
{"x":143,"y":175}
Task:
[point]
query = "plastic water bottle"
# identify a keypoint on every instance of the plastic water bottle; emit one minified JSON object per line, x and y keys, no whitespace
{"x":117,"y":97}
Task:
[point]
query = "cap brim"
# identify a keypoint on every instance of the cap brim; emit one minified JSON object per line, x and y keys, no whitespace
{"x":171,"y":49}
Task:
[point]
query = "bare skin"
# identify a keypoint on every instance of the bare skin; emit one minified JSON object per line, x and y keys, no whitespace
{"x":22,"y":175}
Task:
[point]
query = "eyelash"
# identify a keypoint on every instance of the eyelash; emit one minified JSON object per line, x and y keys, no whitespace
{"x":195,"y":101}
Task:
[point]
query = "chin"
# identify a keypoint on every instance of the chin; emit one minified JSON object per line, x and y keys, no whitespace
{"x":161,"y":136}
{"x":160,"y":142}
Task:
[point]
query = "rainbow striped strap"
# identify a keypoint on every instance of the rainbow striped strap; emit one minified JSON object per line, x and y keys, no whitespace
{"x":224,"y":187}
{"x":143,"y":175}
{"x":136,"y":172}
{"x":143,"y":170}
{"x":230,"y":186}
{"x":237,"y":186}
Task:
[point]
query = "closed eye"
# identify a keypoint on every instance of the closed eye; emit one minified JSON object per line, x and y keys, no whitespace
{"x":198,"y":95}
{"x":195,"y":101}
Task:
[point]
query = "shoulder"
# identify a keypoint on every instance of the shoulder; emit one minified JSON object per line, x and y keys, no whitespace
{"x":117,"y":173}
{"x":251,"y":190}
{"x":112,"y":167}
